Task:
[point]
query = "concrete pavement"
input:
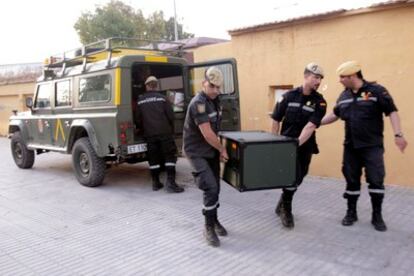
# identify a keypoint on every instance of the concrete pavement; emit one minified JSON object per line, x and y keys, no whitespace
{"x":51,"y":225}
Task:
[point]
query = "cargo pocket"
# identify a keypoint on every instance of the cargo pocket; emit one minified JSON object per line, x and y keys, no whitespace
{"x":199,"y":179}
{"x":200,"y":172}
{"x":169,"y":148}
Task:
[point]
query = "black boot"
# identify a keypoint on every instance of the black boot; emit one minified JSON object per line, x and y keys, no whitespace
{"x":351,"y":214}
{"x":220,"y":230}
{"x":377,"y":220}
{"x":209,"y":231}
{"x":156,"y":184}
{"x":172,"y":187}
{"x":286,"y":209}
{"x":279,"y":206}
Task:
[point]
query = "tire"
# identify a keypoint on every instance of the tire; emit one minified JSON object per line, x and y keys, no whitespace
{"x":89,"y":168}
{"x":23,"y":157}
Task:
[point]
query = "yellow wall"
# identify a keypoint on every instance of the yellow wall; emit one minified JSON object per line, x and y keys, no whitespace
{"x":12,"y":97}
{"x":213,"y":51}
{"x":382,"y":41}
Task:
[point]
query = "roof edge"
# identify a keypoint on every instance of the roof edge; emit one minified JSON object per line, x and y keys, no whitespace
{"x":322,"y":16}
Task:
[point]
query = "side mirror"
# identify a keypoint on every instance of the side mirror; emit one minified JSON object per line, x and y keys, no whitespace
{"x":29,"y":102}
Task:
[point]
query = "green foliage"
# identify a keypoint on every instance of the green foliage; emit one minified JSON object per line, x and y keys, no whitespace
{"x":117,"y":19}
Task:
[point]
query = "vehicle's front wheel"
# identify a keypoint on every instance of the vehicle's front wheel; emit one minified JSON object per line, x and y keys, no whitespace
{"x":23,"y":157}
{"x":89,"y":167}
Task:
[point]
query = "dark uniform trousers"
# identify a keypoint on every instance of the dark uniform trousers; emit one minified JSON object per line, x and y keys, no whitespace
{"x":303,"y":161}
{"x":155,"y":116}
{"x":161,"y":148}
{"x":204,"y":159}
{"x":295,"y":110}
{"x":363,"y":148}
{"x":370,"y":158}
{"x":207,"y":177}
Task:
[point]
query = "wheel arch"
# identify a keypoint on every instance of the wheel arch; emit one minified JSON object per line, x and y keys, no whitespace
{"x":82,"y":128}
{"x":18,"y":125}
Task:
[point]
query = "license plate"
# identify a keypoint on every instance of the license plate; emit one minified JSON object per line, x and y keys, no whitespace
{"x":137,"y":148}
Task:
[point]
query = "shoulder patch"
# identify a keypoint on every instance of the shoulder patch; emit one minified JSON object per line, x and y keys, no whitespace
{"x":201,"y":108}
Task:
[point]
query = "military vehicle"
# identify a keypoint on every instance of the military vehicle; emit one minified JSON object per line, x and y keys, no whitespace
{"x":84,"y":103}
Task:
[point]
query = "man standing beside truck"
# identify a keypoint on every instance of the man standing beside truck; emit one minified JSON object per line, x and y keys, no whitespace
{"x":155,"y":117}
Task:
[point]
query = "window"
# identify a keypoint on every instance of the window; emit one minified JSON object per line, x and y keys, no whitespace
{"x":275,"y":92}
{"x":95,"y":89}
{"x":228,"y":85}
{"x":170,"y":82}
{"x":173,"y":87}
{"x":197,"y":77}
{"x":63,"y":93}
{"x":43,"y":96}
{"x":279,"y":93}
{"x":176,"y":99}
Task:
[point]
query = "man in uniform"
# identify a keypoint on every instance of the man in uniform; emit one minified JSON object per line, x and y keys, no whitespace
{"x":300,"y":111}
{"x":156,"y":118}
{"x":204,"y":150}
{"x":361,"y":106}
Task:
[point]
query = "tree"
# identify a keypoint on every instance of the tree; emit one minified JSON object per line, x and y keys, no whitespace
{"x":156,"y":26}
{"x":170,"y":31}
{"x":117,"y":19}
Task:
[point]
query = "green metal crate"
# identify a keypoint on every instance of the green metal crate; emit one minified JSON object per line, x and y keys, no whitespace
{"x":259,"y":160}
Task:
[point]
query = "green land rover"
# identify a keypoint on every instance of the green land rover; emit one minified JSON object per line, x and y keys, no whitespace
{"x":84,"y":103}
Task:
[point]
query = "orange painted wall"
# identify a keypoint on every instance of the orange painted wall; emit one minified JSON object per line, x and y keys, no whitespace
{"x":12,"y":97}
{"x":382,"y":41}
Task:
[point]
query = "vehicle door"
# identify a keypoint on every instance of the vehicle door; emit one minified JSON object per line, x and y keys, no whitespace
{"x":62,"y":111}
{"x":229,"y":92}
{"x":41,"y":126}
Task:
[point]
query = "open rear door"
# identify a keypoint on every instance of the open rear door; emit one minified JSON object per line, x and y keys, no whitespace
{"x":229,"y":97}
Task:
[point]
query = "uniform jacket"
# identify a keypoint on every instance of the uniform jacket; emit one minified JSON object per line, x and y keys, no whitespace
{"x":200,"y":110}
{"x":295,"y":110}
{"x":154,"y":114}
{"x":363,"y":114}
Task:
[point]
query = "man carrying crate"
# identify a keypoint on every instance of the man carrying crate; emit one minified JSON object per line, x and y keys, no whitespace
{"x":204,"y":150}
{"x":300,"y":111}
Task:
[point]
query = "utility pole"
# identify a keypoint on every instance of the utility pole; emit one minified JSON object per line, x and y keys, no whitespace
{"x":175,"y":24}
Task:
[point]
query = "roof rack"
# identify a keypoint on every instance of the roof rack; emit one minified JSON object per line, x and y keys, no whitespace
{"x":108,"y":48}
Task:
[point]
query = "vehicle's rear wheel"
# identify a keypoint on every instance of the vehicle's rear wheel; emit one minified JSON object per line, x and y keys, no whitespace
{"x":23,"y":157}
{"x":89,"y":168}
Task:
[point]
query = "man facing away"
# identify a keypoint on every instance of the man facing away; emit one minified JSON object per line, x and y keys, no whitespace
{"x":156,"y":118}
